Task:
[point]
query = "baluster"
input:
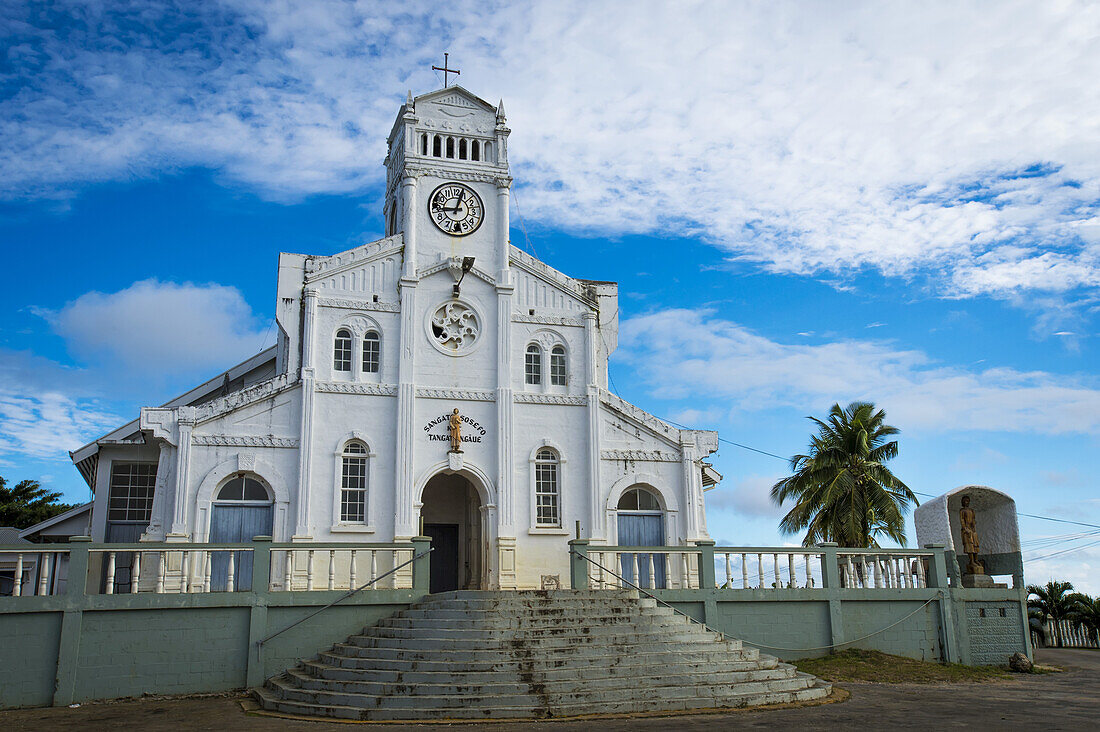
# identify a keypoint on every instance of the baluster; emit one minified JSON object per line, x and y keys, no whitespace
{"x":760,"y":569}
{"x":599,"y":570}
{"x":862,"y":580}
{"x":229,"y":584}
{"x":892,"y":572}
{"x":185,"y":568}
{"x":809,"y":577}
{"x":136,"y":573}
{"x":922,"y":578}
{"x":905,"y":572}
{"x":790,"y":571}
{"x":351,"y":576}
{"x":332,"y":569}
{"x":17,"y":588}
{"x":778,"y":580}
{"x":309,"y":571}
{"x":686,"y":582}
{"x":729,"y":573}
{"x":206,"y":562}
{"x":110,"y":573}
{"x":634,"y":570}
{"x":160,"y":573}
{"x":876,"y":575}
{"x":373,"y":565}
{"x":43,"y":571}
{"x":288,"y":570}
{"x":652,"y":581}
{"x":744,"y":571}
{"x":851,"y":565}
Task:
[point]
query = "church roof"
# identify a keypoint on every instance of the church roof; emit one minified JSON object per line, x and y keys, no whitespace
{"x":443,"y":96}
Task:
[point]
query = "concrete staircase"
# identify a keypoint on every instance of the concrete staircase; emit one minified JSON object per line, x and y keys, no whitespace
{"x":515,"y":655}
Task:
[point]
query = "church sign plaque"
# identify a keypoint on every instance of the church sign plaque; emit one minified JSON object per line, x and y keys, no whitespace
{"x":474,"y":435}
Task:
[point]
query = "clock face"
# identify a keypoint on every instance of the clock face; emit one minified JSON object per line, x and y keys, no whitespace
{"x":456,"y":209}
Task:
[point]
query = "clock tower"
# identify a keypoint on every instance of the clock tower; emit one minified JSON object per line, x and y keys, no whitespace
{"x":447,"y":180}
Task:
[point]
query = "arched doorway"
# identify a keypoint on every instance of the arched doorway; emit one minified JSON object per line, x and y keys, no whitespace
{"x":452,"y":516}
{"x":641,"y":523}
{"x":242,"y":509}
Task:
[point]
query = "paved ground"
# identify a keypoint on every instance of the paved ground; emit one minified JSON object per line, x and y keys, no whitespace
{"x":1069,"y":701}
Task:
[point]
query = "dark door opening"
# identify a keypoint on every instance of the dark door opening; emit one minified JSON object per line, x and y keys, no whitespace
{"x":444,"y":560}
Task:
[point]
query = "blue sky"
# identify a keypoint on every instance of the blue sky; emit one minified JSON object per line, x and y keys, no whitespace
{"x":802,"y":203}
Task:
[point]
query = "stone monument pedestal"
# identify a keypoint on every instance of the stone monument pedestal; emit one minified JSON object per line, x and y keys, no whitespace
{"x":981,"y":580}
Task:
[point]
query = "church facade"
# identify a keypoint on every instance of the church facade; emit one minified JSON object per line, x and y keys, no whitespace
{"x":346,"y":429}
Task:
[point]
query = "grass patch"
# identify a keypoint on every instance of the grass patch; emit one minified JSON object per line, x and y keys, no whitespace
{"x":859,"y":665}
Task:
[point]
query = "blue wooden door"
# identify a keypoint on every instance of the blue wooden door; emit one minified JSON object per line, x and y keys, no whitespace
{"x":231,"y":524}
{"x":642,"y":530}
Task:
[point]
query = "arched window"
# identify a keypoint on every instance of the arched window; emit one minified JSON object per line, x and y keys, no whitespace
{"x":532,"y":365}
{"x":488,"y":152}
{"x":462,"y":149}
{"x":371,"y":349}
{"x":353,"y":483}
{"x":450,"y":147}
{"x":423,"y":144}
{"x":547,"y":488}
{"x":243,"y":487}
{"x":341,"y":351}
{"x":435,"y":146}
{"x":557,"y":366}
{"x":638,"y":499}
{"x":474,"y":146}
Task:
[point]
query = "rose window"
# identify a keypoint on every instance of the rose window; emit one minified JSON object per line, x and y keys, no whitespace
{"x":455,"y":327}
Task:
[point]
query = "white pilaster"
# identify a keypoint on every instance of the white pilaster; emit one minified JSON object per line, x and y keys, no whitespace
{"x":408,"y":214}
{"x":156,"y":530}
{"x":405,"y":523}
{"x":502,"y":233}
{"x":185,"y":424}
{"x":693,"y":491}
{"x":597,"y":527}
{"x":302,"y":530}
{"x":506,"y":465}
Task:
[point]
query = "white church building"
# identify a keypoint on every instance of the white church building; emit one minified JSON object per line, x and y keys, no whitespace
{"x":341,"y":431}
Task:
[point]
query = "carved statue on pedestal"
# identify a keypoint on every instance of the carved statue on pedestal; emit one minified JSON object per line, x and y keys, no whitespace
{"x":969,"y":531}
{"x":454,"y":426}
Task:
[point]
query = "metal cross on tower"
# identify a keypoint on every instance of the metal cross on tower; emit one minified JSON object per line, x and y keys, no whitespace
{"x":445,"y":70}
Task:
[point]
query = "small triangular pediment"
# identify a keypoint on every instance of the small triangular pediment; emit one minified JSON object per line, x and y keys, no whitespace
{"x":456,"y":96}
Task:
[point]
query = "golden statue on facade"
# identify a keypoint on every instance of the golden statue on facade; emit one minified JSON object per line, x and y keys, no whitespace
{"x":454,"y":426}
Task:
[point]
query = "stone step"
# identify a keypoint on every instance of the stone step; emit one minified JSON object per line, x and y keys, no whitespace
{"x":427,"y":648}
{"x":502,"y":673}
{"x":392,"y":659}
{"x":480,"y":616}
{"x":270,"y":702}
{"x":285,"y":688}
{"x":630,"y":706}
{"x":513,"y":684}
{"x":533,"y":595}
{"x":574,"y":633}
{"x":529,"y":606}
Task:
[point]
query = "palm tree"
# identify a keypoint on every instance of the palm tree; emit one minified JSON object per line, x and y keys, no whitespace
{"x":1086,"y":612}
{"x":842,"y":489}
{"x":1052,"y":604}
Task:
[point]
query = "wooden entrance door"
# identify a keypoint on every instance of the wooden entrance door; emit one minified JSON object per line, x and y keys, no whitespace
{"x":231,"y":524}
{"x":642,"y":529}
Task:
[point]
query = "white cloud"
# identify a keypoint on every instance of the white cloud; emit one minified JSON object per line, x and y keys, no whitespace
{"x":750,"y":497}
{"x":958,"y":142}
{"x":162,"y":327}
{"x":47,"y":425}
{"x":690,"y":353}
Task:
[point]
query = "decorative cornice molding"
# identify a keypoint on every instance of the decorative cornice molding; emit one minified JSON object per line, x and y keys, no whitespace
{"x":448,"y":262}
{"x":625,"y":408}
{"x":545,"y":272}
{"x":561,"y":399}
{"x":570,"y":320}
{"x":467,"y":395}
{"x":496,"y":179}
{"x":237,"y":399}
{"x":640,"y":456}
{"x":348,"y":387}
{"x":243,"y":441}
{"x":318,"y":268}
{"x":348,"y":303}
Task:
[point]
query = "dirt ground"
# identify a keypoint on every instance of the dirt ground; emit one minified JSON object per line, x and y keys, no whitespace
{"x":1069,"y":701}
